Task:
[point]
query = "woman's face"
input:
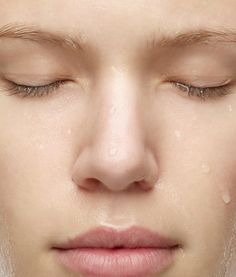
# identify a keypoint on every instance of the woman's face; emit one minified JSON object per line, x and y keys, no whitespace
{"x":117,"y":135}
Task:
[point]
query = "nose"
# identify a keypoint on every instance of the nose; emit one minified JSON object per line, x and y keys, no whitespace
{"x":116,"y":156}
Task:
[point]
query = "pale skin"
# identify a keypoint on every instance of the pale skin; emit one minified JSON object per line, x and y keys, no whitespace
{"x":118,"y":144}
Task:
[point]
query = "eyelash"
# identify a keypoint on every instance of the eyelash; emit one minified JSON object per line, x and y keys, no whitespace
{"x":34,"y":91}
{"x":39,"y":91}
{"x":203,"y":92}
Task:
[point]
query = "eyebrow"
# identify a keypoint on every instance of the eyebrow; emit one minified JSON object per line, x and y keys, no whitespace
{"x":194,"y":37}
{"x":181,"y":39}
{"x":33,"y":34}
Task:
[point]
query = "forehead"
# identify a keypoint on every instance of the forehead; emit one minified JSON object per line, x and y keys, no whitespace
{"x":114,"y":22}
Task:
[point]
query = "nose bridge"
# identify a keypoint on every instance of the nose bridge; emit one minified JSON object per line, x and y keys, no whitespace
{"x":119,"y":123}
{"x":118,"y":142}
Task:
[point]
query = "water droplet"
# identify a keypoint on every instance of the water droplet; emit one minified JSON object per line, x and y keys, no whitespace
{"x":205,"y":168}
{"x":177,"y":134}
{"x":113,"y":151}
{"x":68,"y":131}
{"x":112,"y":110}
{"x":230,"y":108}
{"x":226,"y":197}
{"x":40,"y":146}
{"x":225,"y":194}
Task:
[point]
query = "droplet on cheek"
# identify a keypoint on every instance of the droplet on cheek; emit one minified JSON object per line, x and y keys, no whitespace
{"x":225,"y":194}
{"x":68,"y":132}
{"x":177,"y":134}
{"x":205,"y":168}
{"x":226,"y":197}
{"x":40,"y":146}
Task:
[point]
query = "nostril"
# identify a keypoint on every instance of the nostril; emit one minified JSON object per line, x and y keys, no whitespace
{"x":89,"y":184}
{"x":145,"y":185}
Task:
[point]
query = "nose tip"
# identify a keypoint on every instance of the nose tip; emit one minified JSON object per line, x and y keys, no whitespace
{"x":114,"y":171}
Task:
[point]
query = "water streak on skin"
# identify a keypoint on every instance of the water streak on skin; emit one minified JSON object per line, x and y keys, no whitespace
{"x":6,"y":264}
{"x":228,"y":268}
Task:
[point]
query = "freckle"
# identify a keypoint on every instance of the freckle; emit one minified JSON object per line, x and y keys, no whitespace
{"x":205,"y":168}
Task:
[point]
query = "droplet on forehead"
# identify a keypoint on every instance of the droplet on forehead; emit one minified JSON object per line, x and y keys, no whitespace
{"x":230,"y":108}
{"x":205,"y":168}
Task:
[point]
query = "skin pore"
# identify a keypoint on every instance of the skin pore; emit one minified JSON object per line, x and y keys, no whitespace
{"x":122,"y":136}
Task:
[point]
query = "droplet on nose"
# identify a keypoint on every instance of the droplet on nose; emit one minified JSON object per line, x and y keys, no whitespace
{"x":112,"y":110}
{"x":112,"y":151}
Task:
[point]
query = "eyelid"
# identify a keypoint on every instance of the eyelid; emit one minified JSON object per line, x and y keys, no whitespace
{"x":200,"y":81}
{"x":33,"y":79}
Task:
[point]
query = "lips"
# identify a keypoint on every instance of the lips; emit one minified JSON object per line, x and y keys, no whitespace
{"x":106,"y":252}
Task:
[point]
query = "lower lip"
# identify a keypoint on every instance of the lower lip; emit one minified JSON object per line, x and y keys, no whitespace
{"x":104,"y":262}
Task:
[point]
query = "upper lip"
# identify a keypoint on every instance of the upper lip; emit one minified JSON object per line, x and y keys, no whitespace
{"x":106,"y":237}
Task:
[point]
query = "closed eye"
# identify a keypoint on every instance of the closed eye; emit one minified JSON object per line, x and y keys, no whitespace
{"x":203,"y":92}
{"x":34,"y":91}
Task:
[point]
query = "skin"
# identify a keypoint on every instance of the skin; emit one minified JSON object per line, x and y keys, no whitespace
{"x":75,"y":159}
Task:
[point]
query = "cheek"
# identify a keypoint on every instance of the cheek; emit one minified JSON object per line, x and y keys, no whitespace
{"x":198,"y":157}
